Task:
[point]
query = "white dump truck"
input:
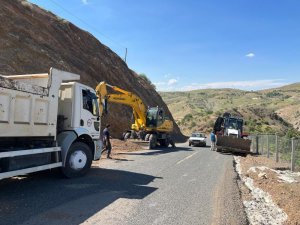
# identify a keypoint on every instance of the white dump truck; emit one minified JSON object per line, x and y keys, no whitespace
{"x":46,"y":123}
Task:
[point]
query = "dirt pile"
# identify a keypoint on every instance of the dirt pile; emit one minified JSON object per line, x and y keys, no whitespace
{"x":278,"y":185}
{"x":32,"y":40}
{"x":118,"y":148}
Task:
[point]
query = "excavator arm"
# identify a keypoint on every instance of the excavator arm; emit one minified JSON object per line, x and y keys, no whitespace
{"x":125,"y":98}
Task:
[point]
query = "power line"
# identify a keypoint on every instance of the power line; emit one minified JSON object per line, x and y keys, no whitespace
{"x":92,"y":27}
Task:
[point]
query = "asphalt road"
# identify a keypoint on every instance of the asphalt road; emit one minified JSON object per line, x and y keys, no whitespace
{"x":185,"y":185}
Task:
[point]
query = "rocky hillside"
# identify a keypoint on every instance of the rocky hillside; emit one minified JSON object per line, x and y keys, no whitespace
{"x":267,"y":111}
{"x":32,"y":40}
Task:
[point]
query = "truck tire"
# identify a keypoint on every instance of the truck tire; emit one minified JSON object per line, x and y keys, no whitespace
{"x":127,"y":135}
{"x":164,"y":142}
{"x":152,"y":141}
{"x":167,"y":143}
{"x":141,"y":135}
{"x":147,"y":137}
{"x":172,"y":143}
{"x":78,"y":160}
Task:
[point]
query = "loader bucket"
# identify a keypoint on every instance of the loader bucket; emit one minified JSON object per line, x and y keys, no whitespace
{"x":233,"y":144}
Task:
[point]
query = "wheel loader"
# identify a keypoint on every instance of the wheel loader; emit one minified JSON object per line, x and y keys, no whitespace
{"x":230,"y":134}
{"x":150,"y":124}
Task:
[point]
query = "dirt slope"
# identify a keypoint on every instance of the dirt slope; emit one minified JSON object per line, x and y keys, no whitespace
{"x":32,"y":40}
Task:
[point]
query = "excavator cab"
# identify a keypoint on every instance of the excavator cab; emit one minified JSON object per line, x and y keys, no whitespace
{"x":155,"y":117}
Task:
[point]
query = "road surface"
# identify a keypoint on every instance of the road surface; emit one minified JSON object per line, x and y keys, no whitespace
{"x":185,"y":185}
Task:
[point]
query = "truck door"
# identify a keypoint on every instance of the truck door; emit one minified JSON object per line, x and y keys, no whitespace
{"x":90,"y":112}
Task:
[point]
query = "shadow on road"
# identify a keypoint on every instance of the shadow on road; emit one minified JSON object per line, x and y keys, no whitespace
{"x":58,"y":200}
{"x":234,"y":153}
{"x":158,"y":151}
{"x":122,"y":160}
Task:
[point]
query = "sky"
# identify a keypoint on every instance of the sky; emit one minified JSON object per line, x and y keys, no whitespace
{"x":184,"y":45}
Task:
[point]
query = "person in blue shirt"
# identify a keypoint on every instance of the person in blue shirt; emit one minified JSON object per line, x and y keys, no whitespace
{"x":213,"y":141}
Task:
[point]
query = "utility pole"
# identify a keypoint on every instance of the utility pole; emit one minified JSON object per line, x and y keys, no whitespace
{"x":125,"y":55}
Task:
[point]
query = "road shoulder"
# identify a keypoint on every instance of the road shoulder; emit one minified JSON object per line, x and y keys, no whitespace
{"x":227,"y":199}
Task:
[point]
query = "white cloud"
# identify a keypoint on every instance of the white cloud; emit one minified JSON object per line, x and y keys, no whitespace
{"x":169,"y":85}
{"x":85,"y":2}
{"x":246,"y":85}
{"x":172,"y":82}
{"x":250,"y":55}
{"x":159,"y":83}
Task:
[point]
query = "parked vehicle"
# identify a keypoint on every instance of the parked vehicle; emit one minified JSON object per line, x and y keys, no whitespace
{"x":197,"y":139}
{"x":45,"y":124}
{"x":230,"y":134}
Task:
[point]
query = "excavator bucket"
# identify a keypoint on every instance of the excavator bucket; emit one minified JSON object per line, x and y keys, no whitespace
{"x":233,"y":144}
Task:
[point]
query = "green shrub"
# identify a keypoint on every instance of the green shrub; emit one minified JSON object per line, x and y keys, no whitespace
{"x":187,"y":117}
{"x":145,"y":78}
{"x":292,"y":133}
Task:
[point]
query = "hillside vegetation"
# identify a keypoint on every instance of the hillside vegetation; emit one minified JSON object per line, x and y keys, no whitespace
{"x":267,"y":111}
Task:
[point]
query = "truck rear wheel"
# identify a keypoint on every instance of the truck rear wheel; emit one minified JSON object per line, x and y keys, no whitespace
{"x":78,"y":160}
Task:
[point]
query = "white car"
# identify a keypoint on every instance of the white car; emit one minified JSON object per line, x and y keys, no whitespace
{"x":197,"y":139}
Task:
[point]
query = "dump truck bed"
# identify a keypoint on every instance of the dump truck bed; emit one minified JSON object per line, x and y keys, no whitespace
{"x":29,"y":103}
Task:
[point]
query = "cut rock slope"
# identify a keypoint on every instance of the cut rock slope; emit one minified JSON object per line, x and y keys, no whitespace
{"x":32,"y":40}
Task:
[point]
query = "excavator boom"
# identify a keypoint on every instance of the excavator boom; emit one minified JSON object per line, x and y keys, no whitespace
{"x":126,"y":98}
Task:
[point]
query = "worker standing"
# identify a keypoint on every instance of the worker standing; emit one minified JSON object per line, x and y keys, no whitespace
{"x":106,"y":140}
{"x":213,"y":141}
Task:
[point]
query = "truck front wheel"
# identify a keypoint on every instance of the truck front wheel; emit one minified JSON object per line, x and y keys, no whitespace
{"x":78,"y":160}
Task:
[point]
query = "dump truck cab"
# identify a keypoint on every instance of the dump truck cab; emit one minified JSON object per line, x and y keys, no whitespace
{"x":78,"y":109}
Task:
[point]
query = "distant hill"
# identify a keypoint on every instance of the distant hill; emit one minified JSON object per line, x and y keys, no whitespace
{"x":266,"y":111}
{"x":295,"y":86}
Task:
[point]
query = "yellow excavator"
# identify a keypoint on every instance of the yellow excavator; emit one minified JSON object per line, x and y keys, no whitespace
{"x":150,"y":124}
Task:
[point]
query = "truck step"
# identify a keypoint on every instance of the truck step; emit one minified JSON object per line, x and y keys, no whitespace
{"x":28,"y":152}
{"x":29,"y":170}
